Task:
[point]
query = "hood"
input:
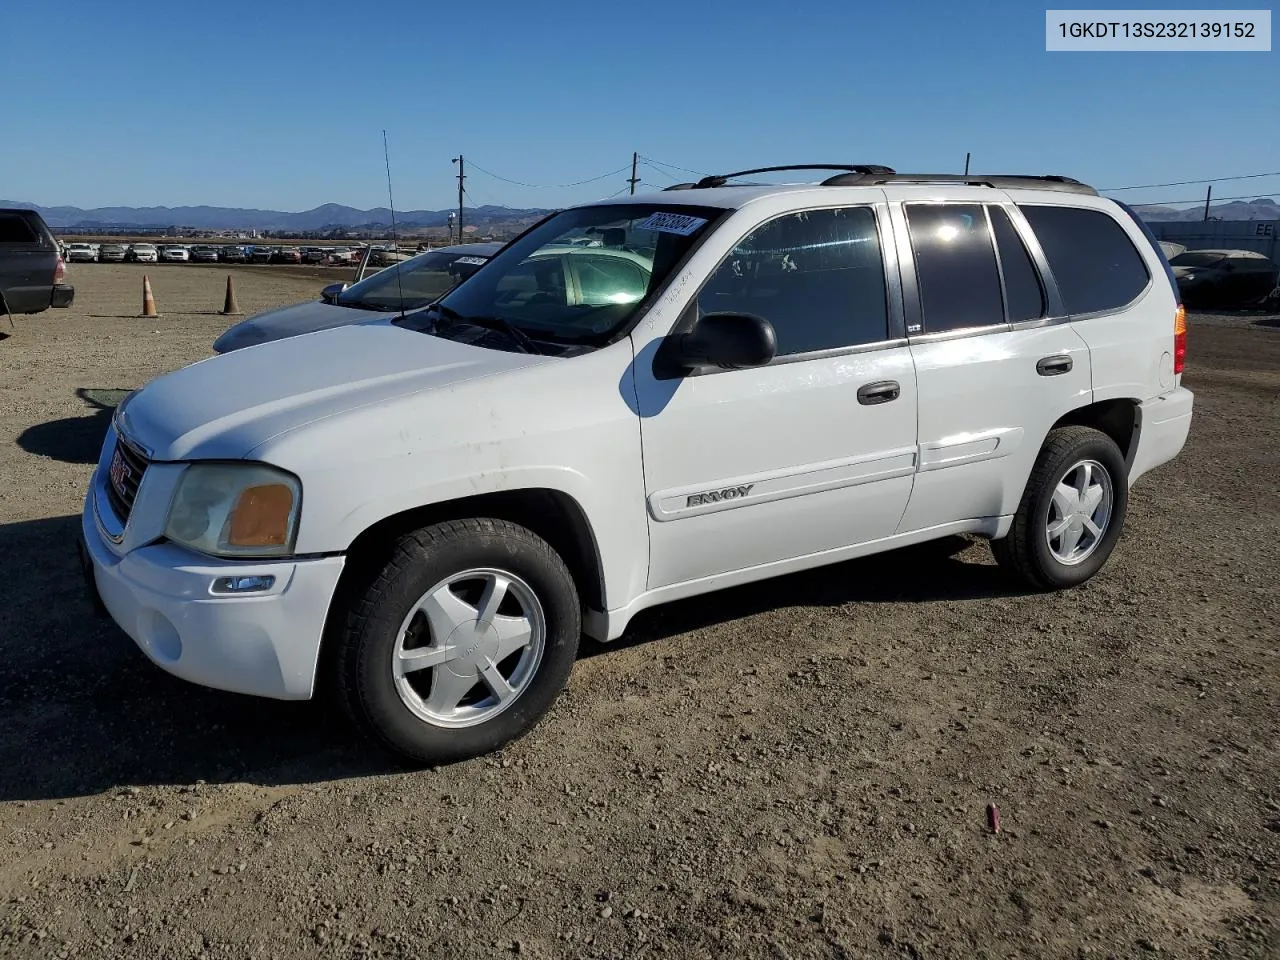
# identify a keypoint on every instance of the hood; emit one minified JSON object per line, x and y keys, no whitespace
{"x":225,"y":406}
{"x":290,"y":321}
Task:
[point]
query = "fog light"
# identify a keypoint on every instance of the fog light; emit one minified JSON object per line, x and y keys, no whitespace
{"x":242,"y":584}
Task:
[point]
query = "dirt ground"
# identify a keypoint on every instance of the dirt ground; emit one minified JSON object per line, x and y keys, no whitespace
{"x":796,"y":769}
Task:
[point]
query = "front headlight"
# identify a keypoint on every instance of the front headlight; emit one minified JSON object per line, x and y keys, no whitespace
{"x":235,"y":510}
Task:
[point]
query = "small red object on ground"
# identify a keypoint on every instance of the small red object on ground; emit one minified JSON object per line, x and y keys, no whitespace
{"x":993,"y":818}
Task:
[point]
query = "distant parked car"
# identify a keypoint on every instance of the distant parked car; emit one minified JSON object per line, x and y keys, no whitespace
{"x":233,"y":254}
{"x":81,"y":253}
{"x":261,"y":254}
{"x":31,"y":267}
{"x":175,"y":254}
{"x":204,"y":253}
{"x":1224,"y":278}
{"x":314,"y":255}
{"x":288,"y":255}
{"x":410,"y":285}
{"x":142,"y":253}
{"x":112,"y":253}
{"x":340,"y":256}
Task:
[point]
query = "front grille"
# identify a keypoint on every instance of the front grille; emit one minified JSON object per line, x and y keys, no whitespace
{"x":124,"y":474}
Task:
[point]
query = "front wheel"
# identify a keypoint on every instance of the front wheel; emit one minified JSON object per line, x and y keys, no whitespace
{"x":462,"y":642}
{"x":1072,"y":511}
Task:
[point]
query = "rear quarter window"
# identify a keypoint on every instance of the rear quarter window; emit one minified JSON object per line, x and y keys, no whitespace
{"x":1095,"y":264}
{"x":16,"y":230}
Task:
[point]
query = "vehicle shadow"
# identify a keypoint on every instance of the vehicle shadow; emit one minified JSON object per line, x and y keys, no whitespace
{"x":82,"y":711}
{"x":75,"y":439}
{"x":923,"y":573}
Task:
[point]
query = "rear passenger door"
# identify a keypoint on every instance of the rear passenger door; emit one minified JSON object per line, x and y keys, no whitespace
{"x":1121,"y":305}
{"x":994,"y":370}
{"x":27,"y":261}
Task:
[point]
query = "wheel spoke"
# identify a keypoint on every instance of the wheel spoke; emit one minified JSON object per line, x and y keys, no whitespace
{"x":408,"y":661}
{"x":1093,"y":528}
{"x":1091,"y":500}
{"x":447,"y":688}
{"x":1056,"y":529}
{"x":1084,"y":479}
{"x":495,"y":590}
{"x":514,"y":633}
{"x":1066,"y":499}
{"x":445,"y":612}
{"x":1070,"y":540}
{"x":496,"y":682}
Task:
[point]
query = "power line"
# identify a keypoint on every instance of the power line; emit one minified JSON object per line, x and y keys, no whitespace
{"x":673,"y":166}
{"x":550,"y":186}
{"x":659,"y":170}
{"x":1189,"y":183}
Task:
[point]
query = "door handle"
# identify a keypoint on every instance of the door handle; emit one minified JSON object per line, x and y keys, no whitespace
{"x":1053,"y":366}
{"x":881,"y":391}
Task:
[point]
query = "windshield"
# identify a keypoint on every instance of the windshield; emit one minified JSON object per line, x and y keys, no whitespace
{"x":419,"y":280}
{"x":583,"y":273}
{"x":1192,"y":259}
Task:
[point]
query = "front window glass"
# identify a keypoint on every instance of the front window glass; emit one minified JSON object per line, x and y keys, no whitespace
{"x":583,"y":273}
{"x":413,"y":283}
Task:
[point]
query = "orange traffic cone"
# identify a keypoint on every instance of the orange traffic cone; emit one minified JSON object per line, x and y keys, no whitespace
{"x":148,"y":299}
{"x":229,"y":305}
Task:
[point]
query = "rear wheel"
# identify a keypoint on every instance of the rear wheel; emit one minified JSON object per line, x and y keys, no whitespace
{"x":462,"y":643}
{"x":1072,"y":511}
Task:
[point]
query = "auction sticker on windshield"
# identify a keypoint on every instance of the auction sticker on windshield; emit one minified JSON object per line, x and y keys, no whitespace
{"x":476,"y":260}
{"x":677,"y":223}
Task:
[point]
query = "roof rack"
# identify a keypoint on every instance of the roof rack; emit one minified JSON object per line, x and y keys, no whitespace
{"x":1011,"y":180}
{"x":720,"y":180}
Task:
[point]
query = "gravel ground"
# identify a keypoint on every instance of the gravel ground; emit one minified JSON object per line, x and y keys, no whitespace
{"x":797,"y":769}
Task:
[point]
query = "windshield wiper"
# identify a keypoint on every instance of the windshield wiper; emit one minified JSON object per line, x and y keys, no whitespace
{"x":500,"y":324}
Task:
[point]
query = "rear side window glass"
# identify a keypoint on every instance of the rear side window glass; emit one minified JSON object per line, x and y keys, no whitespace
{"x":955,"y":266}
{"x":1095,"y":264}
{"x":817,"y":277}
{"x":14,"y":229}
{"x":1024,"y":295}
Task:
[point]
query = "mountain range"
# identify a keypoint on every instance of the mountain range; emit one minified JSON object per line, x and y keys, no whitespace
{"x":1264,"y":208}
{"x":325,"y":216}
{"x":335,"y":215}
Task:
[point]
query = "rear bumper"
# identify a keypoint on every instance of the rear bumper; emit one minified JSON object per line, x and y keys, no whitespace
{"x":1163,"y":426}
{"x":63,"y":294}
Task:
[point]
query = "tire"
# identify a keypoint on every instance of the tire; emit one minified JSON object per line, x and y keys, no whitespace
{"x":1029,"y":551}
{"x":407,"y":711}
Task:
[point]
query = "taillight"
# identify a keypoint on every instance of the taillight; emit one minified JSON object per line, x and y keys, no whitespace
{"x":1179,"y":339}
{"x":59,"y":271}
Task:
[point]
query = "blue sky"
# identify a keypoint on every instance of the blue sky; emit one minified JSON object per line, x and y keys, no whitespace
{"x":282,"y":106}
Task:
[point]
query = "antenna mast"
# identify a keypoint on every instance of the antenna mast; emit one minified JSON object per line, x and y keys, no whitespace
{"x":395,"y":240}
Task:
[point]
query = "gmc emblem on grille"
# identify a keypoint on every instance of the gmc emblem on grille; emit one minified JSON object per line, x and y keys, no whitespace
{"x":715,"y":496}
{"x":119,"y":473}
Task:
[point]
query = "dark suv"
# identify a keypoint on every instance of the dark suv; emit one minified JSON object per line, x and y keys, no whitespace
{"x":31,"y":267}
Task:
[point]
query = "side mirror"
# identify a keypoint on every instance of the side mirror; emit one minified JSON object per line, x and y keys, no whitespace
{"x":730,"y":341}
{"x":330,"y":293}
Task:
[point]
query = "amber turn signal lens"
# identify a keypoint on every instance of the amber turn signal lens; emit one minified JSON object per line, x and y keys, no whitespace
{"x":260,"y":517}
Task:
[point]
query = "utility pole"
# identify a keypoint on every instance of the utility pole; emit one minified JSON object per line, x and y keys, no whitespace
{"x":634,"y":179}
{"x":1207,"y":195}
{"x":461,"y":177}
{"x":966,"y":164}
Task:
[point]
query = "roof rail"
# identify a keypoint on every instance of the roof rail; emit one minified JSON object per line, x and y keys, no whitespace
{"x":720,"y":180}
{"x":1025,"y":181}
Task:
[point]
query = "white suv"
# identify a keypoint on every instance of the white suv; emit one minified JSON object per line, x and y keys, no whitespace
{"x":740,"y":381}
